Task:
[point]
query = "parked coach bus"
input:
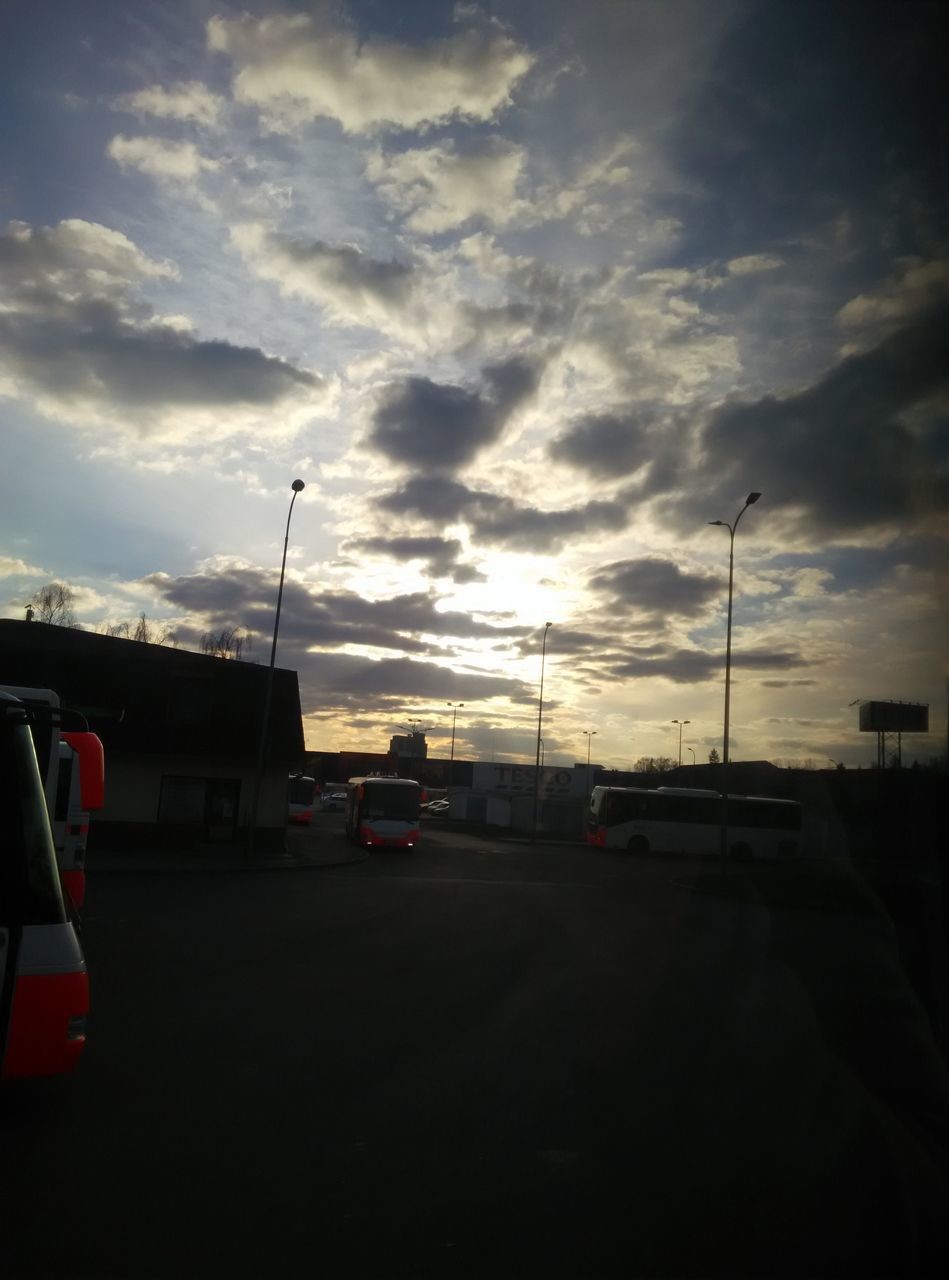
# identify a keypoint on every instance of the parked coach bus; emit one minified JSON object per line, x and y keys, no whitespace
{"x":383,"y":811}
{"x":686,"y":820}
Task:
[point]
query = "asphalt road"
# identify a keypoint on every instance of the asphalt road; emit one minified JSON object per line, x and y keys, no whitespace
{"x":482,"y":1059}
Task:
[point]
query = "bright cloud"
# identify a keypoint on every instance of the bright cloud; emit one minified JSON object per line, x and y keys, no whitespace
{"x":301,"y":67}
{"x":189,"y":101}
{"x":439,"y":188}
{"x":159,"y":158}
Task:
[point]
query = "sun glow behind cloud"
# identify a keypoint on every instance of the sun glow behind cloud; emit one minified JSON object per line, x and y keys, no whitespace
{"x":525,"y":323}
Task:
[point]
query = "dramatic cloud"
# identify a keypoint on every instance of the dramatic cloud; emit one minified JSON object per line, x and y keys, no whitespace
{"x":495,"y":520}
{"x":656,"y":587}
{"x":298,"y":68}
{"x":857,"y":450}
{"x":442,"y":187}
{"x":333,"y":682}
{"x":186,"y":101}
{"x":76,"y":342}
{"x":243,"y":595}
{"x":159,"y":158}
{"x":437,"y":428}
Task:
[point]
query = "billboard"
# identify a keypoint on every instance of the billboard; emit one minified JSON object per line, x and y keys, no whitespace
{"x":518,"y":779}
{"x":894,"y":717}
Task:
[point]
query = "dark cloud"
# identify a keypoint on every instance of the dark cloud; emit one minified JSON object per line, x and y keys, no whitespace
{"x":653,"y":586}
{"x":441,"y":554}
{"x":244,"y":596}
{"x":437,"y":428}
{"x":495,"y":520}
{"x":785,"y":684}
{"x":607,"y":444}
{"x":693,"y":666}
{"x":331,"y":683}
{"x":857,"y":450}
{"x":119,"y":364}
{"x":73,"y":335}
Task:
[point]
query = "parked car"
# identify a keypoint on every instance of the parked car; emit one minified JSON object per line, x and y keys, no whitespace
{"x":436,"y":808}
{"x":333,"y":800}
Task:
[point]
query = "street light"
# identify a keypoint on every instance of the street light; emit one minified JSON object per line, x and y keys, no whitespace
{"x":298,"y":486}
{"x":454,"y":715}
{"x":723,"y":837}
{"x":590,"y":734}
{"x":692,"y":749}
{"x":680,"y":723}
{"x":540,"y":712}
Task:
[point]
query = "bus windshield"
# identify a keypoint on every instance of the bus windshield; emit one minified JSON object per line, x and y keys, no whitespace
{"x":390,"y":800}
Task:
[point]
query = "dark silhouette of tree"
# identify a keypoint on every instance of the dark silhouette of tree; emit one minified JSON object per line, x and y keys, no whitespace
{"x":144,"y":629}
{"x":54,"y":604}
{"x":714,"y":757}
{"x":229,"y":642}
{"x":654,"y":764}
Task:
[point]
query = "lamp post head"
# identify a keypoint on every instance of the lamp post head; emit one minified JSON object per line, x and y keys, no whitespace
{"x":297,"y":486}
{"x":752,"y":498}
{"x":721,"y":522}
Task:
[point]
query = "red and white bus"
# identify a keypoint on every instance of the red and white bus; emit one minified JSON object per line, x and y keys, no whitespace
{"x":300,"y":798}
{"x":72,"y":768}
{"x":44,"y":987}
{"x":383,"y":810}
{"x":80,"y":790}
{"x":688,"y":820}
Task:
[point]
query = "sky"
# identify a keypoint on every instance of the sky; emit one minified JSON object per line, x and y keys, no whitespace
{"x":528,"y":294}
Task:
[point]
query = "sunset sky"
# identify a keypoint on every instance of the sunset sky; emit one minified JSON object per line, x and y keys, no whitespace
{"x":527,"y":293}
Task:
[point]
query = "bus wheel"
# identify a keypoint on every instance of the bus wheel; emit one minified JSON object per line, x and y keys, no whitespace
{"x":638,"y":844}
{"x":741,"y":852}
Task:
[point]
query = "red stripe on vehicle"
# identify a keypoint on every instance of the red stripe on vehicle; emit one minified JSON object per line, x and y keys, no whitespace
{"x":74,"y":882}
{"x":39,"y":1041}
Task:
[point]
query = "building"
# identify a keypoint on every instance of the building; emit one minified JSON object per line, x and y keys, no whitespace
{"x":180,"y":731}
{"x":410,"y":746}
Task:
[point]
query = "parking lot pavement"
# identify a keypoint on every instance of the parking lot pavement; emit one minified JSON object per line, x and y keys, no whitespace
{"x":322,"y":844}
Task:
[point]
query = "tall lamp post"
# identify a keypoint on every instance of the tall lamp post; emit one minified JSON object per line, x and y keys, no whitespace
{"x":298,"y":486}
{"x":692,"y":749}
{"x":540,"y":713}
{"x":589,"y":734}
{"x":723,"y":835}
{"x":451,"y":763}
{"x":680,"y":723}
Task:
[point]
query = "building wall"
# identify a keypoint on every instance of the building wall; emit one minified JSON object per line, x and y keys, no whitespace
{"x":174,"y":801}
